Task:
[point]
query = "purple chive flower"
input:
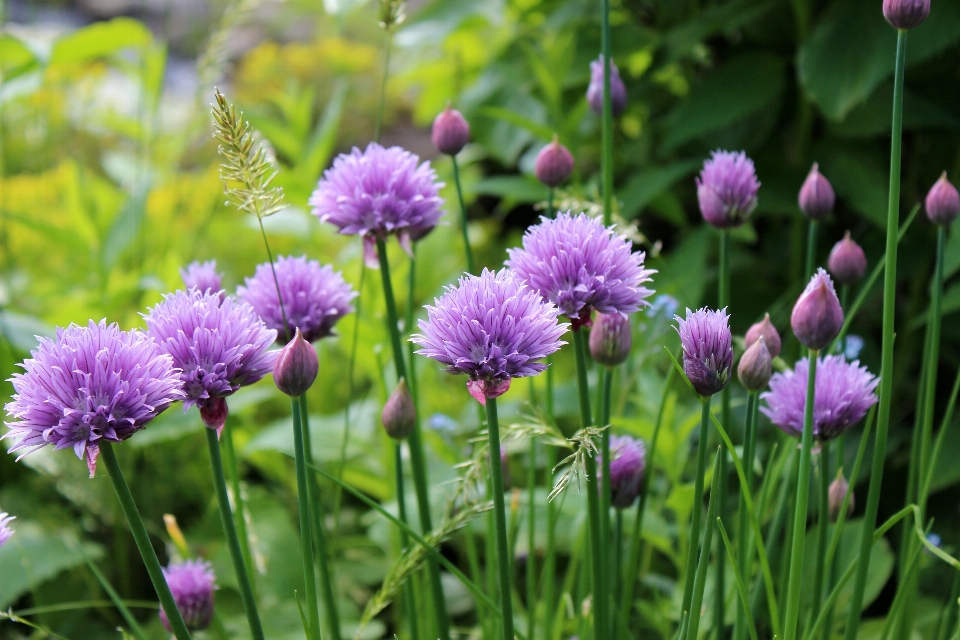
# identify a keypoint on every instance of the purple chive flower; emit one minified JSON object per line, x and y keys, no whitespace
{"x":492,"y":328}
{"x":202,"y":276}
{"x":296,"y":367}
{"x":314,"y":297}
{"x":610,"y":339}
{"x":618,"y":92}
{"x":816,"y":197}
{"x":707,"y":351}
{"x":379,"y":192}
{"x":727,"y":189}
{"x":844,"y":391}
{"x":192,"y":584}
{"x":817,"y":316}
{"x":906,"y":14}
{"x":627,"y":462}
{"x":579,"y":265}
{"x":943,"y":202}
{"x":92,"y":383}
{"x":5,"y":531}
{"x":219,"y":348}
{"x":764,"y":329}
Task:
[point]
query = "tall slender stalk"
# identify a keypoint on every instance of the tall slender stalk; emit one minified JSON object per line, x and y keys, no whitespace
{"x":550,"y":208}
{"x":532,"y":538}
{"x":140,"y":536}
{"x":418,"y":461}
{"x":464,"y":229}
{"x":319,"y":532}
{"x":238,"y":511}
{"x":723,"y":295}
{"x":697,"y":515}
{"x":598,"y":556}
{"x":550,"y":553}
{"x":693,"y":626}
{"x":822,"y":528}
{"x":811,"y":260}
{"x":378,"y":129}
{"x":744,"y":549}
{"x":306,"y":525}
{"x":409,"y":596}
{"x":607,"y":125}
{"x":499,"y":510}
{"x":612,"y":569}
{"x":886,"y":362}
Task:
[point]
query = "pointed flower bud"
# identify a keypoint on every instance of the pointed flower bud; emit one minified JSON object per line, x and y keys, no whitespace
{"x":817,"y":316}
{"x":192,"y":584}
{"x":554,"y":164}
{"x":628,"y":459}
{"x":727,"y":189}
{"x":399,"y":415}
{"x":756,"y":366}
{"x":451,"y":133}
{"x":707,"y":352}
{"x":906,"y":14}
{"x":835,"y":495}
{"x":618,"y":92}
{"x":816,"y":197}
{"x":610,"y":339}
{"x":847,"y":262}
{"x":943,"y":202}
{"x":296,"y":367}
{"x":768,"y":332}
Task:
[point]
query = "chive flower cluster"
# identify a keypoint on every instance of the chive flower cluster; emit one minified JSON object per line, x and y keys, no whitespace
{"x":727,"y":189}
{"x":707,"y":349}
{"x":202,"y":276}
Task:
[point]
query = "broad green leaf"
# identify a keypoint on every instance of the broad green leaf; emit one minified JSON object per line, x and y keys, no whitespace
{"x":519,"y":120}
{"x":742,"y":86}
{"x":15,"y":57}
{"x":873,"y":117}
{"x":858,"y":179}
{"x":36,"y":554}
{"x":514,"y":188}
{"x":648,"y":183}
{"x":100,"y":40}
{"x":21,"y":330}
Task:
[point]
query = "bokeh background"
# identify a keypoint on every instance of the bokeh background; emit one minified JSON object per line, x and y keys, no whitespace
{"x":109,"y":183}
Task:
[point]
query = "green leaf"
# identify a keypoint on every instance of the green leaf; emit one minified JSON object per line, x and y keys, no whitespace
{"x":33,"y":556}
{"x":100,"y":40}
{"x":852,"y":50}
{"x":650,"y":182}
{"x":15,"y":57}
{"x":21,"y":330}
{"x":859,"y":180}
{"x":515,"y":188}
{"x":742,"y":86}
{"x":516,"y":119}
{"x":873,"y":117}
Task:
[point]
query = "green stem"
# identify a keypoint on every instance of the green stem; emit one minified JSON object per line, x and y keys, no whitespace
{"x":701,"y":580}
{"x":499,"y":510}
{"x":697,"y":511}
{"x":607,"y":125}
{"x":800,"y":513}
{"x":550,"y":209}
{"x":233,"y":540}
{"x":238,"y":515}
{"x":930,"y":388}
{"x":723,"y":294}
{"x":611,"y":570}
{"x":140,"y":536}
{"x":306,"y":525}
{"x":532,"y":540}
{"x":316,"y":512}
{"x":886,"y":362}
{"x":598,"y":555}
{"x":633,"y":563}
{"x":409,"y":597}
{"x":338,"y":497}
{"x":383,"y":87}
{"x":464,"y":229}
{"x":417,"y":457}
{"x":811,"y":262}
{"x":550,"y":555}
{"x":744,"y":551}
{"x":823,"y":526}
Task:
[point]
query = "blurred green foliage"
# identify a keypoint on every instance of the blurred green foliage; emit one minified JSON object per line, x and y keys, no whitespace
{"x":109,"y":183}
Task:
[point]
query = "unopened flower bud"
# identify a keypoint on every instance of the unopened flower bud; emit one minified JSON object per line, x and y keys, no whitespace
{"x":906,"y":14}
{"x":296,"y":367}
{"x":847,"y":262}
{"x":768,"y":332}
{"x":450,"y":132}
{"x":554,"y":164}
{"x":628,"y":459}
{"x":835,"y":495}
{"x":817,"y":317}
{"x":213,"y":412}
{"x":399,"y":415}
{"x":756,"y":366}
{"x":618,"y":92}
{"x":943,"y":202}
{"x":816,"y":195}
{"x":192,"y":584}
{"x":610,"y":339}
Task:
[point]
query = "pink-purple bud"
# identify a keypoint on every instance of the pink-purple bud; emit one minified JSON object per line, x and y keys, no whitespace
{"x":906,"y":14}
{"x":451,"y":133}
{"x":618,"y":92}
{"x":192,"y":584}
{"x":817,"y":317}
{"x":756,"y":366}
{"x":847,"y":262}
{"x":835,"y":495}
{"x":296,"y":367}
{"x":610,"y":339}
{"x":816,"y":197}
{"x":214,"y":413}
{"x":765,"y":329}
{"x":399,"y":415}
{"x":554,"y":164}
{"x":943,"y":202}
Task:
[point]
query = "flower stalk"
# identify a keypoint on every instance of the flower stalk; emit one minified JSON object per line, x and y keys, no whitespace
{"x":500,"y":515}
{"x":607,"y":124}
{"x":744,"y":541}
{"x":464,"y":229}
{"x":696,"y":518}
{"x":306,"y":526}
{"x":886,"y":363}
